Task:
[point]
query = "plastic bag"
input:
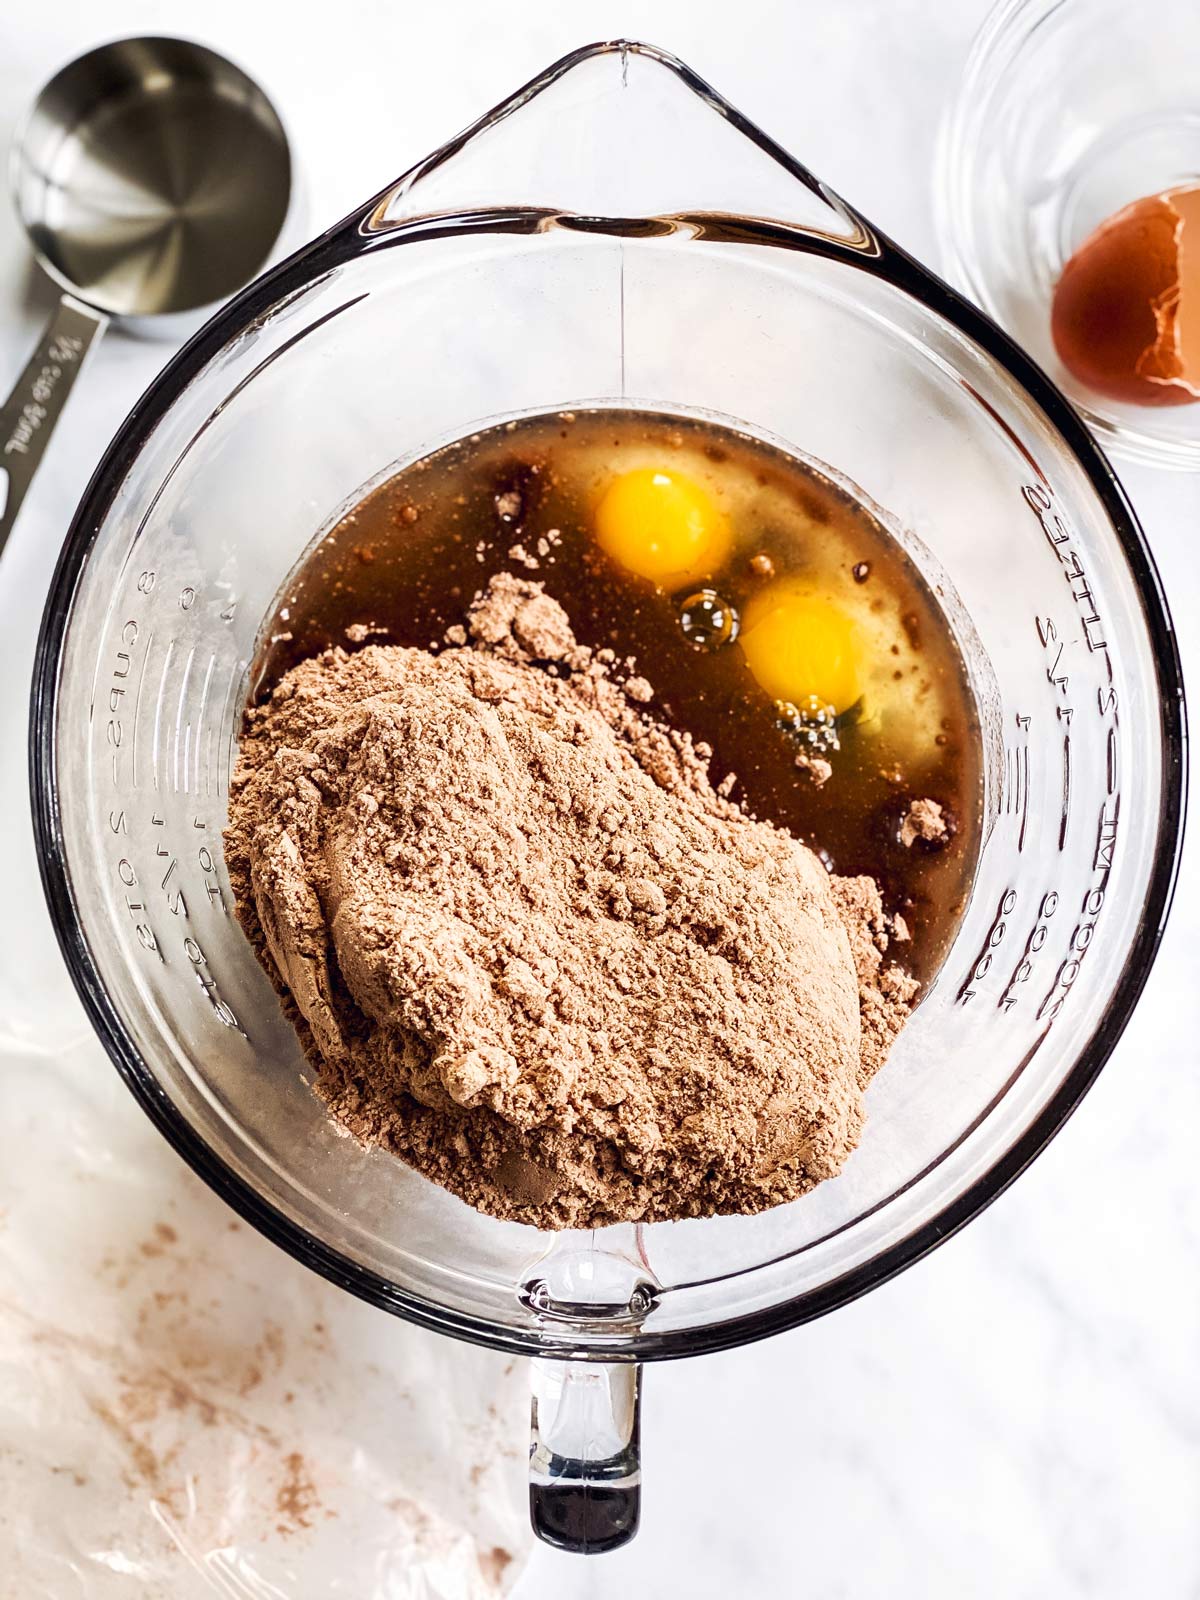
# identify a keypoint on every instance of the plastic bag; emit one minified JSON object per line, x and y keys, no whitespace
{"x":186,"y":1412}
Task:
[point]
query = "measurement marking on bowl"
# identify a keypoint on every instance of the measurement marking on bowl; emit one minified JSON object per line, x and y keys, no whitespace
{"x":1016,"y":780}
{"x":176,"y":904}
{"x":158,"y":711}
{"x":1023,"y":723}
{"x":1106,"y":837}
{"x":212,"y":661}
{"x":1063,"y":540}
{"x":179,"y":708}
{"x":208,"y":867}
{"x":994,"y":939}
{"x":234,"y":678}
{"x":1038,"y":935}
{"x":137,"y":708}
{"x":1083,"y":932}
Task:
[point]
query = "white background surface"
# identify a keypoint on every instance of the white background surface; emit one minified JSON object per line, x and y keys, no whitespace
{"x":1017,"y":1416}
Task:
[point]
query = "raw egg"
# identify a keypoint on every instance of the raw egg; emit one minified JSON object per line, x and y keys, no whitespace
{"x":663,"y":526}
{"x":1126,"y":312}
{"x":801,"y":647}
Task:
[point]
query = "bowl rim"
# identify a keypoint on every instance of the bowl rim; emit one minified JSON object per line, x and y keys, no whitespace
{"x":349,"y":239}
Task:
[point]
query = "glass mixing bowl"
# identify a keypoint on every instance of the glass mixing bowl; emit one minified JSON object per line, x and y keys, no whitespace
{"x":1068,"y":110}
{"x":614,"y":233}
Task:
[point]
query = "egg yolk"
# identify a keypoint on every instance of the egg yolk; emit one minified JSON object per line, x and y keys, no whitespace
{"x":797,"y":644}
{"x":662,"y":526}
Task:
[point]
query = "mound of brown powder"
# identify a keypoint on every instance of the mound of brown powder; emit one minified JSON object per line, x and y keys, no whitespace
{"x":531,"y":950}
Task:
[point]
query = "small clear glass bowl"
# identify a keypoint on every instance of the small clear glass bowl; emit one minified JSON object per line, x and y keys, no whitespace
{"x":1068,"y":110}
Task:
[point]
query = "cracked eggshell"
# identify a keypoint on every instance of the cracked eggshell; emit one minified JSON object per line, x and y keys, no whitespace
{"x":1126,"y":312}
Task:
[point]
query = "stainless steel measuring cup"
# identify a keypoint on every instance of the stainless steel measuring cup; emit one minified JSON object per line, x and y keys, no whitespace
{"x":153,"y":178}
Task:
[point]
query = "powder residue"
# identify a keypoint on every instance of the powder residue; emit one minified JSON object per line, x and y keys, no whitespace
{"x":818,"y":768}
{"x":532,"y":951}
{"x":924,"y":820}
{"x":296,"y":1500}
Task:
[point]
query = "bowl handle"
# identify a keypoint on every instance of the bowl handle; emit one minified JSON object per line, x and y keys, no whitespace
{"x":585,"y":1477}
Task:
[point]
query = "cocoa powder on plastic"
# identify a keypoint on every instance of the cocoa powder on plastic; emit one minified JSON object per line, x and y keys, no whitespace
{"x":532,"y":951}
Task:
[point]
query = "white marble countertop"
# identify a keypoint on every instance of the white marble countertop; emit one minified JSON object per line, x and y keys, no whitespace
{"x":1019,"y":1415}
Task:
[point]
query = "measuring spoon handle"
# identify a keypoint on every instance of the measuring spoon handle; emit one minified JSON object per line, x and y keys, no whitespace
{"x":28,"y":416}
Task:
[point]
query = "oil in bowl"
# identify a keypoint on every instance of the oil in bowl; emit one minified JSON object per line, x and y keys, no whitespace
{"x":776,"y":619}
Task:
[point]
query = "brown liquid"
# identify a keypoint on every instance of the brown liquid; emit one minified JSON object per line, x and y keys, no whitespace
{"x":408,"y":559}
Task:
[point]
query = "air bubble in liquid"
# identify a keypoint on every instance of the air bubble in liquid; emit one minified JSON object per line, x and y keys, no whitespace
{"x":811,"y":723}
{"x":707,"y":620}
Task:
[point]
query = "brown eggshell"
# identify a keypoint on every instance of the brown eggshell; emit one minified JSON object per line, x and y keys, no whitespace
{"x":1118,"y":317}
